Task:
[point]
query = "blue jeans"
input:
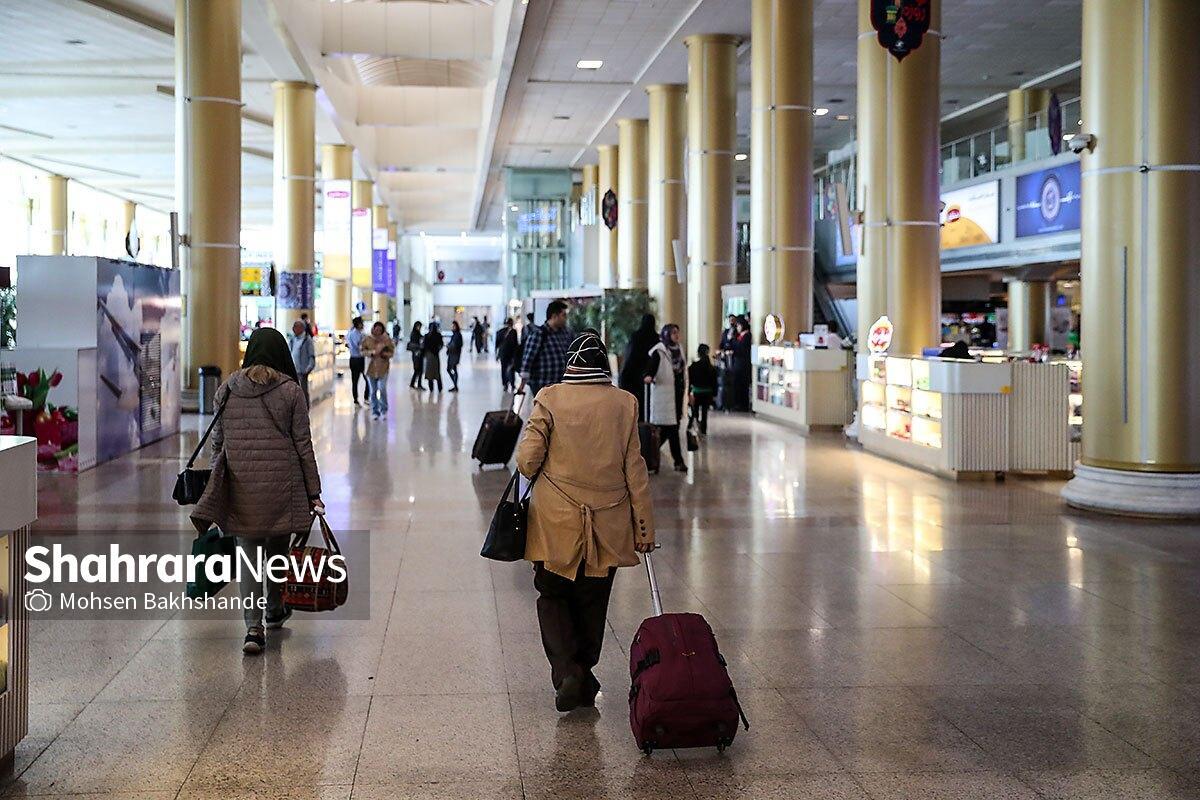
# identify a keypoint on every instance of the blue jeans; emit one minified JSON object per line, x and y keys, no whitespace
{"x":377,"y":391}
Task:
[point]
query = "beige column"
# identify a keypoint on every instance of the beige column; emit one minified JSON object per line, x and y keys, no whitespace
{"x":379,"y":306}
{"x":591,"y":233}
{"x":712,"y":139}
{"x":1140,"y":260}
{"x":872,"y":279}
{"x":781,"y":225}
{"x":130,"y":215}
{"x":337,"y":164}
{"x":1028,"y":314}
{"x":609,"y":179}
{"x":633,"y":176}
{"x":295,"y":178}
{"x":913,"y":183}
{"x":60,"y":219}
{"x":1026,"y":111}
{"x":668,"y":204}
{"x":208,"y":86}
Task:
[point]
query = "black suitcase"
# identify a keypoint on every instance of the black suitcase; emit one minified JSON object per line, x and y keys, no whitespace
{"x":650,"y":439}
{"x":497,"y":439}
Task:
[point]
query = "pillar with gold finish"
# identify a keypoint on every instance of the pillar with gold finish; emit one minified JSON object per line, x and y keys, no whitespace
{"x":872,"y":277}
{"x":781,"y":224}
{"x":295,"y":175}
{"x":208,"y":97}
{"x":1140,"y":263}
{"x":609,"y":179}
{"x":337,"y":164}
{"x":913,"y":194}
{"x":591,"y":233}
{"x":712,"y":139}
{"x":1027,"y":110}
{"x":129,"y":215}
{"x":1028,"y":314}
{"x":668,"y":205}
{"x":59,"y":215}
{"x":633,"y":177}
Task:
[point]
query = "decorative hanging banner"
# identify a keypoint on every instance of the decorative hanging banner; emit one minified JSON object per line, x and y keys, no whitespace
{"x":295,"y":290}
{"x":901,"y":24}
{"x":1054,"y":119}
{"x":379,"y":260}
{"x":608,"y":209}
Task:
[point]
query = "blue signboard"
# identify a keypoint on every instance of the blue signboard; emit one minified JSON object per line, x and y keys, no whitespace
{"x":1048,"y":201}
{"x":379,"y":262}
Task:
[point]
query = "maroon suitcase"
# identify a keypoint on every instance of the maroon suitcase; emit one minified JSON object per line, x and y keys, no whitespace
{"x":681,"y":694}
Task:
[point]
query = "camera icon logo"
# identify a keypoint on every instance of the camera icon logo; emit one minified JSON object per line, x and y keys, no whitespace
{"x":38,"y":600}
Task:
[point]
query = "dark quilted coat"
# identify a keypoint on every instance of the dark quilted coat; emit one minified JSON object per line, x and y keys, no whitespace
{"x":264,"y":470}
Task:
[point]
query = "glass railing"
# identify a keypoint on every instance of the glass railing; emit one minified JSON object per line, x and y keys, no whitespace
{"x":1005,"y":145}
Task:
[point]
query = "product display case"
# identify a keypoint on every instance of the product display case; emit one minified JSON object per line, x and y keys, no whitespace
{"x":803,"y":387}
{"x":18,"y":476}
{"x":320,"y":381}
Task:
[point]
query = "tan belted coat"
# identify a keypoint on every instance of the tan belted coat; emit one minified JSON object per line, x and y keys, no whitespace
{"x":591,"y":499}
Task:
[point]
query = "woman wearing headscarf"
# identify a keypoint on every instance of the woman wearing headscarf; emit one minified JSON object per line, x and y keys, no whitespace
{"x":633,"y":365}
{"x":433,"y":359}
{"x":665,"y":375}
{"x":264,"y":485}
{"x":416,"y":346}
{"x":379,"y":349}
{"x":589,"y":512}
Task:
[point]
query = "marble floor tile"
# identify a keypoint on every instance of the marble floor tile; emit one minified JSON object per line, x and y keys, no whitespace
{"x":946,"y":786}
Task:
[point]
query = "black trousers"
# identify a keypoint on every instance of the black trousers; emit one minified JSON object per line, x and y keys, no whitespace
{"x":418,"y":370}
{"x":452,"y":370}
{"x":700,"y":414}
{"x":358,"y":365}
{"x":670,"y":435}
{"x":572,"y":616}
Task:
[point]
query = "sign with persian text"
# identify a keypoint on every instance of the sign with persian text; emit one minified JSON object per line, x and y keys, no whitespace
{"x":900,"y":24}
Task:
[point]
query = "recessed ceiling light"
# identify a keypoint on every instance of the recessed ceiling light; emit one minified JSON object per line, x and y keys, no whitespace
{"x":740,"y":157}
{"x":563,"y":117}
{"x":842,"y":117}
{"x":820,"y":111}
{"x":586,"y":63}
{"x":76,"y":41}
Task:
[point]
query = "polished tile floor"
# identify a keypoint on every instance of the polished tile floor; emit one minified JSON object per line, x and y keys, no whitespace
{"x":892,"y":635}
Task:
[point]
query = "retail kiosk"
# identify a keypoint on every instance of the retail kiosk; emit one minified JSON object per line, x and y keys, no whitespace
{"x":18,"y":476}
{"x":806,"y":388}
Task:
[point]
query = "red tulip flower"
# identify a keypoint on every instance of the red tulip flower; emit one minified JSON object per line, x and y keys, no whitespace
{"x":34,"y":379}
{"x":56,"y":378}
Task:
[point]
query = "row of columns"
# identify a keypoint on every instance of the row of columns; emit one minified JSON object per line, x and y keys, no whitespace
{"x":60,"y":220}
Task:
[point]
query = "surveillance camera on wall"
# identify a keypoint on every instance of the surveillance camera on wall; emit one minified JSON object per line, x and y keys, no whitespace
{"x":1080,"y":142}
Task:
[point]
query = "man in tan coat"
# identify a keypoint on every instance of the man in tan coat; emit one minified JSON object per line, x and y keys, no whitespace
{"x":590,"y":511}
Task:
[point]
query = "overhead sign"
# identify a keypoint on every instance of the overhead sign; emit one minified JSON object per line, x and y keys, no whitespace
{"x":773,"y":328}
{"x":901,"y":24}
{"x":971,"y":216}
{"x":1049,"y":201}
{"x":379,"y":259}
{"x":335,"y":233}
{"x":1054,"y":124}
{"x":880,"y":337}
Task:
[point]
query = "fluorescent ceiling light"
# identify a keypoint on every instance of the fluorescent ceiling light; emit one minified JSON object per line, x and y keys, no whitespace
{"x":820,"y":112}
{"x":740,"y":157}
{"x":842,"y":117}
{"x":585,"y":63}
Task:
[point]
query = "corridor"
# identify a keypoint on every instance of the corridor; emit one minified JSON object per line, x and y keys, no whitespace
{"x":891,"y":634}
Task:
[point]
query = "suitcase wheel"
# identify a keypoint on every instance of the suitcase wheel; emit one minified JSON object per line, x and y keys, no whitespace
{"x":648,"y":748}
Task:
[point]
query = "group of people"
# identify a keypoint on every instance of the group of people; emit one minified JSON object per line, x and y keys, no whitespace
{"x":370,"y":357}
{"x":737,"y":367}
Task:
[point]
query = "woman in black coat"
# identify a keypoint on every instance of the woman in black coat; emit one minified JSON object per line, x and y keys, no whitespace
{"x":416,"y":346}
{"x":637,"y":356}
{"x":454,"y":350}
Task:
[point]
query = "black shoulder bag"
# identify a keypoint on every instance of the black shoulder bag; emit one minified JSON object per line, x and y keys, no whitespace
{"x":190,"y":483}
{"x":506,"y":535}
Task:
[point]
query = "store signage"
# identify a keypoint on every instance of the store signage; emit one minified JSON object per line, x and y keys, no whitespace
{"x":335,"y":233}
{"x":379,"y":260}
{"x":821,"y":337}
{"x":539,"y":220}
{"x":901,"y":24}
{"x":773,"y":328}
{"x":390,"y":272}
{"x":879,"y":339}
{"x":361,"y":233}
{"x":971,"y":216}
{"x":1049,"y":201}
{"x":608,"y":209}
{"x":1054,"y":124}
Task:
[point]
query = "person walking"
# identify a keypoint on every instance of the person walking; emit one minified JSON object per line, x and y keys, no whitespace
{"x":589,"y":513}
{"x":454,"y":350}
{"x":485,"y":337}
{"x":380,"y":349}
{"x":476,"y":335}
{"x":665,"y":377}
{"x":633,"y":365}
{"x":358,"y":363}
{"x":508,"y":347}
{"x":433,"y":360}
{"x":304,"y":355}
{"x":545,"y":357}
{"x":265,"y":485}
{"x":416,"y":347}
{"x":702,"y":388}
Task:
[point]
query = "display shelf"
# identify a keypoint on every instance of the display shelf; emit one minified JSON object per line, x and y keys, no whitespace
{"x":805,"y":388}
{"x":18,"y":476}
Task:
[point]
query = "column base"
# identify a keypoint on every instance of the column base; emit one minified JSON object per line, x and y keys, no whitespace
{"x":1138,"y":494}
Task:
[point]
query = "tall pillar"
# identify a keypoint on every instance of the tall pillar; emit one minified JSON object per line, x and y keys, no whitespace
{"x":1140,"y":264}
{"x":913,"y":193}
{"x":1028,"y":314}
{"x":379,"y":305}
{"x":1026,"y":111}
{"x":208,"y":97}
{"x":872,"y":270}
{"x":609,"y":179}
{"x":59,"y":216}
{"x":362,"y":197}
{"x":668,"y":206}
{"x":712,"y":139}
{"x":591,"y":233}
{"x":130,"y":215}
{"x":295,"y":174}
{"x":337,"y":164}
{"x":633,"y":177}
{"x":781,"y":224}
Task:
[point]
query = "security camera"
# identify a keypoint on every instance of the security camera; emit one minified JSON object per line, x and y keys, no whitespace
{"x":1080,"y":142}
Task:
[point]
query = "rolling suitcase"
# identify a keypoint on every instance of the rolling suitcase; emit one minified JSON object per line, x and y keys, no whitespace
{"x":681,"y":694}
{"x":497,"y":437}
{"x":650,"y":438}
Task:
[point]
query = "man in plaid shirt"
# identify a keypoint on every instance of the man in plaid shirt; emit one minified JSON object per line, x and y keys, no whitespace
{"x":544,"y":359}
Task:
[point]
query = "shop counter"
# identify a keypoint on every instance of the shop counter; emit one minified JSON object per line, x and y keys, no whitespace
{"x":320,"y":381}
{"x":18,"y":476}
{"x":803,"y":387}
{"x":965,"y":418}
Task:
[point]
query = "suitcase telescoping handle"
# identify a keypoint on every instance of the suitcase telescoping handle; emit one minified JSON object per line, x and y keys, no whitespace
{"x":655,"y":597}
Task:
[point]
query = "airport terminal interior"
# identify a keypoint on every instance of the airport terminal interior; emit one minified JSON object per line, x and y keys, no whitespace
{"x":914,"y":235}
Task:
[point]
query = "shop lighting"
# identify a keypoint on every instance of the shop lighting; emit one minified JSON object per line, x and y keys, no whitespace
{"x":740,"y":157}
{"x":514,"y":207}
{"x":585,"y":63}
{"x":820,"y":112}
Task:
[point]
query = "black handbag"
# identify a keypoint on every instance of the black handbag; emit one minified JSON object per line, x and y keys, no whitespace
{"x":190,"y":483}
{"x":506,"y":535}
{"x":693,"y":439}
